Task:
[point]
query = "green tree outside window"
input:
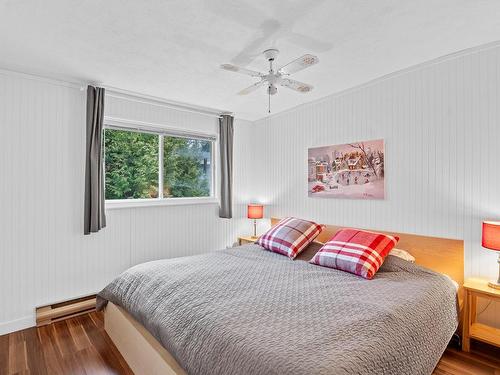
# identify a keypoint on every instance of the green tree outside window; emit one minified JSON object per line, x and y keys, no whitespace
{"x":187,"y":167}
{"x":132,"y":166}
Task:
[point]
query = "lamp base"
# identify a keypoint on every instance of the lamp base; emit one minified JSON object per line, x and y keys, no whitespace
{"x":494,"y":284}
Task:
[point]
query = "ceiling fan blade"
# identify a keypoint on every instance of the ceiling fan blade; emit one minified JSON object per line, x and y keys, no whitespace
{"x":296,"y":85}
{"x":252,"y":88}
{"x":237,"y":69}
{"x":299,"y":64}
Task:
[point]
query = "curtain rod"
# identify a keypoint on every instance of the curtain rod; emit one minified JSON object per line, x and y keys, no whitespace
{"x":148,"y":99}
{"x":115,"y":92}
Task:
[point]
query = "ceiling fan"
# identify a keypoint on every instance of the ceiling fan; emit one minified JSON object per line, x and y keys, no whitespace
{"x":276,"y":77}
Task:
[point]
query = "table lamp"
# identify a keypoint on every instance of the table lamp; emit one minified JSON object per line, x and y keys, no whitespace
{"x":255,"y":211}
{"x":491,"y":240}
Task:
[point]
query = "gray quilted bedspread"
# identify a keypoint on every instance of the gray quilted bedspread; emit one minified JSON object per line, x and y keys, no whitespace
{"x":249,"y":311}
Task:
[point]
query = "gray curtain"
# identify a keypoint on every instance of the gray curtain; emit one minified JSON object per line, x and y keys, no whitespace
{"x":94,"y":217}
{"x":226,"y":166}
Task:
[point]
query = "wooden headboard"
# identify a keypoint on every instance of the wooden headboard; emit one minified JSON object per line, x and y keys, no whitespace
{"x":438,"y":254}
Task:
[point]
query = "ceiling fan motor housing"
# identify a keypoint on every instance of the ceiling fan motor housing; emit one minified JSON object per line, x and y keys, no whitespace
{"x":271,"y":89}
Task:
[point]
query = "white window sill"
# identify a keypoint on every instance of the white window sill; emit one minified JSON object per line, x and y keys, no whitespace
{"x":114,"y":204}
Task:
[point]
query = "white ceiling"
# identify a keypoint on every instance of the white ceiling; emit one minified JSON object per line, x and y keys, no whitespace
{"x":173,"y":49}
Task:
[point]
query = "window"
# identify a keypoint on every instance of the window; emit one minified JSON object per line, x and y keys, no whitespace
{"x":187,"y":167}
{"x":150,"y":165}
{"x":131,"y":164}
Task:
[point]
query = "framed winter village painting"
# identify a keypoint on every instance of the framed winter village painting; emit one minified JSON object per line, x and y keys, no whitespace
{"x":352,"y":170}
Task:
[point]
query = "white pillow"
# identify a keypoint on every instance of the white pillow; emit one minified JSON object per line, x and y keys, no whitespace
{"x":403,"y":254}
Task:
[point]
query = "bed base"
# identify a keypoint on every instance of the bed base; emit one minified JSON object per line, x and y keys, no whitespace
{"x":142,"y":352}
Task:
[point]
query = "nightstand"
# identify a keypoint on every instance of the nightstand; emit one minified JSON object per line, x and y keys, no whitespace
{"x":246,"y":239}
{"x":471,"y":329}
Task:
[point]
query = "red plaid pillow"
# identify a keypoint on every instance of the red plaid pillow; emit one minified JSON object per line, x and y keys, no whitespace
{"x":290,"y":236}
{"x":355,"y":251}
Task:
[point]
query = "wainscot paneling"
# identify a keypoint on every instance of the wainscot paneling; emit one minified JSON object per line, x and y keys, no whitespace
{"x":441,"y":125}
{"x":44,"y":256}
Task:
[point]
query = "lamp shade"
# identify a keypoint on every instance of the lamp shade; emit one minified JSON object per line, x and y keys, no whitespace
{"x":255,"y":211}
{"x":491,"y":235}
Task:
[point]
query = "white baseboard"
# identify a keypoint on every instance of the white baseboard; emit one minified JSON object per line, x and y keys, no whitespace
{"x":17,"y":325}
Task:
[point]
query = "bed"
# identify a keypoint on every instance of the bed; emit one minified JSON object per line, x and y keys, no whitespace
{"x":249,"y":311}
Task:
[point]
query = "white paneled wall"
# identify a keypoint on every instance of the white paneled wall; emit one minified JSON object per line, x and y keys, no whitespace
{"x":441,"y":125}
{"x":440,"y":122}
{"x":44,"y":256}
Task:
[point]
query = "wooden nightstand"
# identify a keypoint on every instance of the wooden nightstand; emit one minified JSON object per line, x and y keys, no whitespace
{"x":246,"y":239}
{"x":471,"y":329}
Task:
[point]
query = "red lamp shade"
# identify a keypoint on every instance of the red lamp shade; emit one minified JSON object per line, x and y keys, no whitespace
{"x":255,"y":211}
{"x":491,"y":235}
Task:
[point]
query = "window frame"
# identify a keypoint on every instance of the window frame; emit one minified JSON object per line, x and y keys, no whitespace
{"x":163,"y":131}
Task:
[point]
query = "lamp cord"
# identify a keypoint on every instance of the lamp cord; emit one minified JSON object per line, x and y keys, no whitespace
{"x":484,"y":309}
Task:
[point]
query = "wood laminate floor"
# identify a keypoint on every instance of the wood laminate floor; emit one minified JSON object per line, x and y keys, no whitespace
{"x":81,"y":346}
{"x":75,"y":346}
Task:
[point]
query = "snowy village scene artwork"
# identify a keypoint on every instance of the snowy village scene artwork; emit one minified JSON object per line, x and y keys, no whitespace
{"x":352,"y":170}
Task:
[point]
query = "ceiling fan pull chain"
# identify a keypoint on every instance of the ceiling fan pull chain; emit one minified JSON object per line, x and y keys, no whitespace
{"x":269,"y":104}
